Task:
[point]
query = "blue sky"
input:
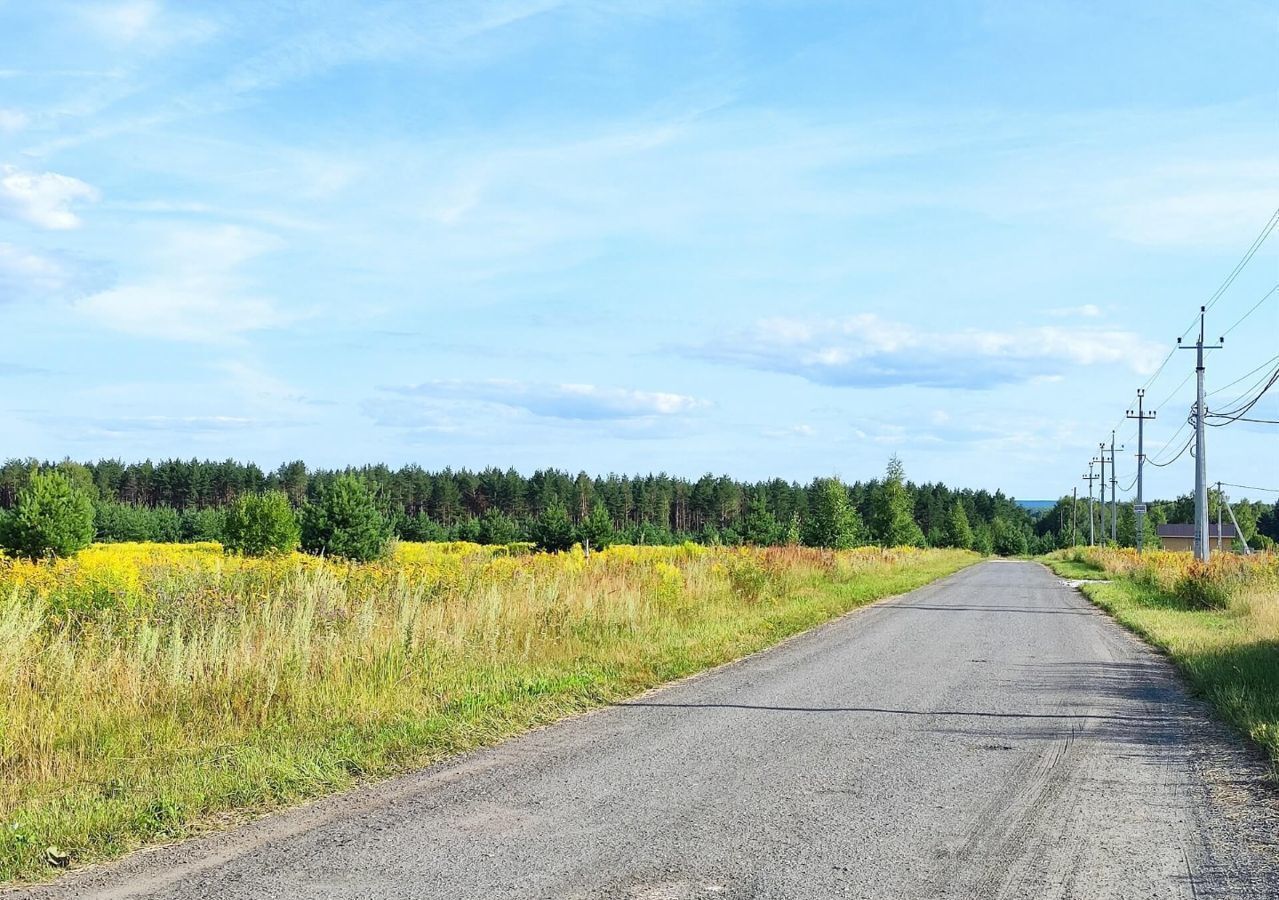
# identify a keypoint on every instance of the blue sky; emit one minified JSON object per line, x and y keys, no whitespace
{"x":775,"y":238}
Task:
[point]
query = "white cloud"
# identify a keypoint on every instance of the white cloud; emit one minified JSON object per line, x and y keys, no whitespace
{"x":172,"y":424}
{"x":560,"y":401}
{"x":868,"y":351}
{"x":25,"y":273}
{"x":123,"y":21}
{"x":197,"y":292}
{"x":794,"y":431}
{"x":43,"y":198}
{"x":1086,"y":311}
{"x":12,"y":120}
{"x":28,"y":275}
{"x":146,"y":22}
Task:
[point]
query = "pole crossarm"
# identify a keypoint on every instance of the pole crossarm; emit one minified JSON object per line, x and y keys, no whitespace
{"x":1139,"y":508}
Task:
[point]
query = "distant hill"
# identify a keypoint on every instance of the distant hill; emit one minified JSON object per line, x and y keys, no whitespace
{"x":1036,"y":505}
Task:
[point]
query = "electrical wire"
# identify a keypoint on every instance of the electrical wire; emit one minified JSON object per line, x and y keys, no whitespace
{"x":1265,"y":364}
{"x":1233,"y":415}
{"x":1175,"y":390}
{"x":1256,"y":306}
{"x":1247,"y":257}
{"x":1186,"y":446}
{"x":1249,"y":487}
{"x":1237,"y":414}
{"x":1168,"y":443}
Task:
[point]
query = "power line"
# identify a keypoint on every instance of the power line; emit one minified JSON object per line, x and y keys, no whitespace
{"x":1175,"y":390}
{"x":1186,"y":446}
{"x":1249,"y":487}
{"x":1168,"y":444}
{"x":1247,"y":257}
{"x":1264,"y":297}
{"x":1237,"y":414}
{"x":1265,"y":364}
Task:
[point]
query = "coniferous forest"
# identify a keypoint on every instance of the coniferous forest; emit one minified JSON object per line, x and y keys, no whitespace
{"x":185,"y":500}
{"x":177,"y":500}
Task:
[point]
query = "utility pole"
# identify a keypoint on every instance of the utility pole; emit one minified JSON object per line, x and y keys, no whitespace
{"x":1090,"y":478}
{"x":1202,"y":550}
{"x":1139,"y":508}
{"x":1114,"y":500}
{"x":1247,"y":551}
{"x":1220,"y":501}
{"x":1074,"y":516}
{"x":1101,"y":458}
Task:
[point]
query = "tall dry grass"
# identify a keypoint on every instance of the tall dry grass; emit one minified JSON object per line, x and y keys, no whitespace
{"x":1218,"y":620}
{"x":151,"y":688}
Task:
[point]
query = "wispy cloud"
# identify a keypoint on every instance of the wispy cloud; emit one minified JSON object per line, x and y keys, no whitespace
{"x":12,"y":120}
{"x":330,"y":37}
{"x":177,"y":424}
{"x":870,"y":352}
{"x":11,"y":369}
{"x":198,"y":292}
{"x":43,"y":199}
{"x":560,"y":401}
{"x":28,"y":275}
{"x":1086,"y":311}
{"x":793,"y":431}
{"x":148,"y":22}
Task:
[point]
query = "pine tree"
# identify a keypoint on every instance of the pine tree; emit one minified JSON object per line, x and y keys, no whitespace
{"x":553,"y":531}
{"x":598,"y":527}
{"x":958,"y":532}
{"x":345,"y":521}
{"x":832,"y":520}
{"x":893,"y":519}
{"x":53,"y":517}
{"x":497,"y":528}
{"x":760,"y":526}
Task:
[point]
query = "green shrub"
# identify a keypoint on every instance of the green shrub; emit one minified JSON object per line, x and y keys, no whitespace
{"x":983,"y":539}
{"x":344,"y":521}
{"x":128,"y":522}
{"x":467,"y":529}
{"x":1199,"y":587}
{"x":52,"y":517}
{"x":598,"y":528}
{"x":760,"y":526}
{"x":832,"y":520}
{"x":421,"y":527}
{"x":553,"y":531}
{"x":498,"y":528}
{"x":208,"y":524}
{"x":258,"y":524}
{"x":1008,"y":539}
{"x":958,"y":533}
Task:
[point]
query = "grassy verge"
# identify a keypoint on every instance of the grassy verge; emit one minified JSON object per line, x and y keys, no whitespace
{"x":1220,"y":625}
{"x":153,"y":692}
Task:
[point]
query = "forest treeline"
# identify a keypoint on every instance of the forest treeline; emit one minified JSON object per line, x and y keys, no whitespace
{"x":186,"y":500}
{"x":176,"y":500}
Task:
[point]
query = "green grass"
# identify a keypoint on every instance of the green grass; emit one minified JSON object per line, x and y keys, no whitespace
{"x":1067,"y":568}
{"x":1229,"y":656}
{"x":128,"y":733}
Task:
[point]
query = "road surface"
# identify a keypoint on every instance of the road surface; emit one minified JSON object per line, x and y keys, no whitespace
{"x":991,"y":735}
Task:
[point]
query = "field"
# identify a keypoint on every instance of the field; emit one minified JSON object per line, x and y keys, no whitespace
{"x":153,"y":690}
{"x":1219,"y":622}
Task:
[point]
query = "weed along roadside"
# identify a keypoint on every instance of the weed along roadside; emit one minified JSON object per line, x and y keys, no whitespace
{"x":153,"y":691}
{"x":1218,"y":622}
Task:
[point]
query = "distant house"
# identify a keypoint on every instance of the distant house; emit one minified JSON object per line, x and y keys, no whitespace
{"x":1182,"y":537}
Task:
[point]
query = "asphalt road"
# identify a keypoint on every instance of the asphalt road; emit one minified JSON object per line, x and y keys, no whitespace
{"x":988,"y":736}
